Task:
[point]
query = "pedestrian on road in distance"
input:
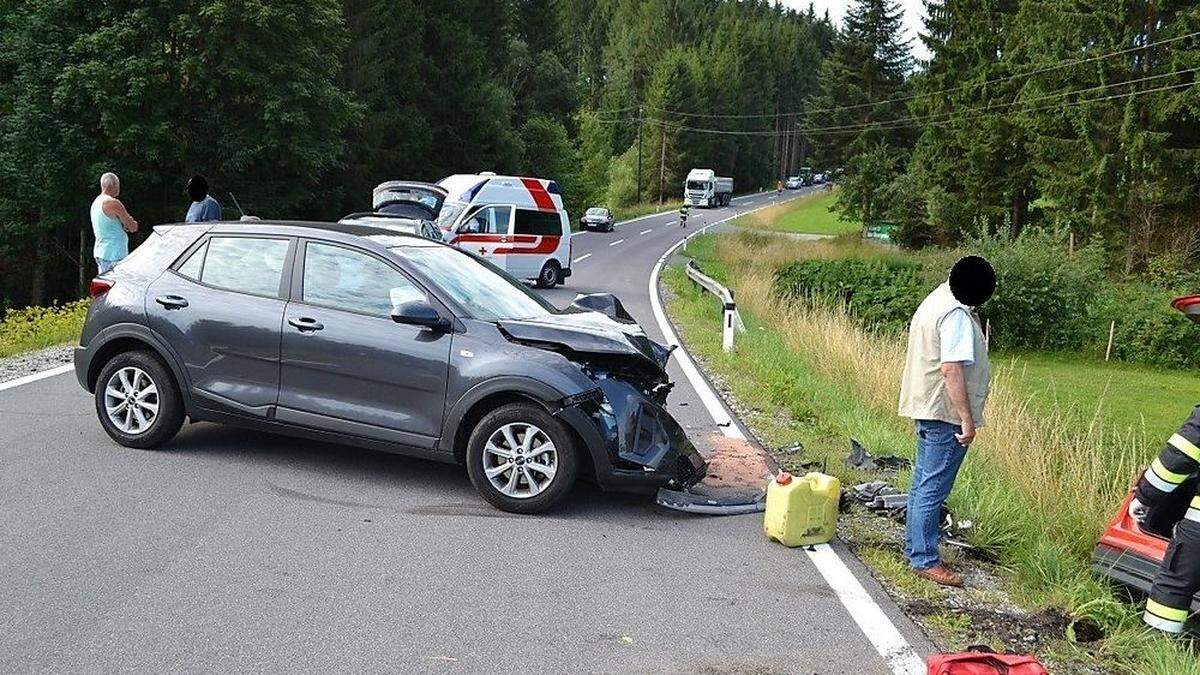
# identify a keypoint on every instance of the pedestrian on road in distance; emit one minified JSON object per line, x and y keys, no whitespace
{"x":203,"y":207}
{"x":111,"y":224}
{"x":943,"y":390}
{"x":683,"y":213}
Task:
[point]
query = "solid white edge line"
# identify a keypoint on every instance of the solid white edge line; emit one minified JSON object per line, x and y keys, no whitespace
{"x":614,"y":243}
{"x":582,"y":257}
{"x":34,"y":377}
{"x":870,"y":617}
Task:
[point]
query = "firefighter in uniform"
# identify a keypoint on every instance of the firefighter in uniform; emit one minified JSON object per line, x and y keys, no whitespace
{"x":683,"y":214}
{"x":1165,"y":485}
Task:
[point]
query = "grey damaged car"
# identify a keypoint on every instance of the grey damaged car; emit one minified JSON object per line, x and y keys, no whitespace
{"x":367,"y":337}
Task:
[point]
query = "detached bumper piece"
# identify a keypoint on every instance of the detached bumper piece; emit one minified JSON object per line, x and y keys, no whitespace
{"x":735,"y":481}
{"x":725,"y":502}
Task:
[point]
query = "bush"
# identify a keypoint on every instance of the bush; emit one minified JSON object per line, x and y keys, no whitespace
{"x":1045,"y":299}
{"x":35,"y":327}
{"x":1148,"y":330}
{"x":881,"y":293}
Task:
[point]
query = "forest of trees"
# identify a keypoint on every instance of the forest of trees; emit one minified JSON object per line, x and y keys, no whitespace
{"x":300,"y":108}
{"x":1076,"y":115}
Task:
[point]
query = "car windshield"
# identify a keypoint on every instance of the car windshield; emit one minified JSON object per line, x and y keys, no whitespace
{"x":481,"y":289}
{"x":449,"y":213}
{"x":597,"y":212}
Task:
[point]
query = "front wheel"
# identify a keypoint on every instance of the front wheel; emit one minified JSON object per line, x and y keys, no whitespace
{"x":549,"y":275}
{"x":137,"y":400}
{"x":521,"y":459}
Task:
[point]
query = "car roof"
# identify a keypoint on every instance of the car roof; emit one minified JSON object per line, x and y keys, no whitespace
{"x":383,"y":236}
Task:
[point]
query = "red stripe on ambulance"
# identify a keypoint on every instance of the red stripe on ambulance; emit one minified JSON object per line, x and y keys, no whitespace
{"x":540,"y":197}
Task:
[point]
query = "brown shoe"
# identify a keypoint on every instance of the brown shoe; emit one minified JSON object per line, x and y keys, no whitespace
{"x":940,"y":574}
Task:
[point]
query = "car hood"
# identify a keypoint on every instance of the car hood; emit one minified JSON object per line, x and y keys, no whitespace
{"x":593,"y":338}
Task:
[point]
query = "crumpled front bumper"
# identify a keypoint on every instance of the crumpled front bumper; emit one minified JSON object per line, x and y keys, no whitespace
{"x":635,"y":444}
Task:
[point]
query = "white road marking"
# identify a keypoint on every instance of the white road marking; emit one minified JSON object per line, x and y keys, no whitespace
{"x":870,"y":617}
{"x":34,"y":377}
{"x":582,"y":257}
{"x":645,"y":232}
{"x":616,"y":242}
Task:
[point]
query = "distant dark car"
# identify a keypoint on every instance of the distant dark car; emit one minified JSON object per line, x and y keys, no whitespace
{"x":395,"y":223}
{"x":362,"y":335}
{"x":597,"y":218}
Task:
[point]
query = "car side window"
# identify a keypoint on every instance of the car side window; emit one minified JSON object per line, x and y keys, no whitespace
{"x":487,"y":220}
{"x":195,"y":262}
{"x":543,"y":223}
{"x":245,"y":264}
{"x":340,"y":278}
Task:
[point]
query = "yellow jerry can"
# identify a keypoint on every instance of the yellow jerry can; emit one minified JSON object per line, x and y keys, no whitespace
{"x":802,"y":511}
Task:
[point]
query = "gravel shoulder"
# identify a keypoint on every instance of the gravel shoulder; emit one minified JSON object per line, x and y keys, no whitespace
{"x":35,"y":361}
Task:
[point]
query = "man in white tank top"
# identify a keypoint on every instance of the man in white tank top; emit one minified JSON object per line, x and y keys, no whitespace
{"x":944,"y":388}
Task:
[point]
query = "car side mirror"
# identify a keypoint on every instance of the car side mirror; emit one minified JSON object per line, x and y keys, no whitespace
{"x":418,"y":313}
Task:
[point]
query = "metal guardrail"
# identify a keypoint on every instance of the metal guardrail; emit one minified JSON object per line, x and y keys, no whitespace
{"x":731,"y":320}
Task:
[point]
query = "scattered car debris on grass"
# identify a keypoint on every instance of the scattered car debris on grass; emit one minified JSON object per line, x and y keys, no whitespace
{"x":860,"y":459}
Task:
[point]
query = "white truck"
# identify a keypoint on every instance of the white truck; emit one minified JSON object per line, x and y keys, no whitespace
{"x":704,"y":187}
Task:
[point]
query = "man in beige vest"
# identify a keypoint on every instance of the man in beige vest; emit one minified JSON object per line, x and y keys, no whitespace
{"x":943,"y":390}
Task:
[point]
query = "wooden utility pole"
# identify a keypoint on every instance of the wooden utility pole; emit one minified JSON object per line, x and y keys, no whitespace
{"x":662,"y":162}
{"x":638,"y":179}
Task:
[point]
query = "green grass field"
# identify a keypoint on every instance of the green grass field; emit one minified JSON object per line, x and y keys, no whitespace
{"x":1126,"y":397}
{"x":807,"y":215}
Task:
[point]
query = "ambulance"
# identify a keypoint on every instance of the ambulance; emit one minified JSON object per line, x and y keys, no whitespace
{"x":516,"y":223}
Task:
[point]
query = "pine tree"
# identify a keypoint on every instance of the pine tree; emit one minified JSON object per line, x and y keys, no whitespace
{"x":859,"y":112}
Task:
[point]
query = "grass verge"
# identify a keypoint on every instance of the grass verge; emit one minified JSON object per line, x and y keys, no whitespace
{"x":806,"y":215}
{"x":24,"y":330}
{"x":1039,"y":484}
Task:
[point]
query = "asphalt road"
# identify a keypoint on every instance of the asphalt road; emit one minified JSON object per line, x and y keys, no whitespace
{"x":234,"y":550}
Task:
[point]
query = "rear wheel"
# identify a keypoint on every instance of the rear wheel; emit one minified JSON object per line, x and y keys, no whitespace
{"x":521,"y":459}
{"x":549,"y":275}
{"x":137,"y":400}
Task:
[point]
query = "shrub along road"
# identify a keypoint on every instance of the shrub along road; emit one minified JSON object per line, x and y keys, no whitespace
{"x":241,"y":550}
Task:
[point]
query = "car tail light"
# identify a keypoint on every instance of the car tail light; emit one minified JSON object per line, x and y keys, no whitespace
{"x":99,"y":286}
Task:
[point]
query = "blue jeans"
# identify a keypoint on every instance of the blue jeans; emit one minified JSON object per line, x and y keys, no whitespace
{"x":103,"y":265}
{"x":939,"y":455}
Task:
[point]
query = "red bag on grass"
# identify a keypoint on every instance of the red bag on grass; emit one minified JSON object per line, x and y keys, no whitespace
{"x":984,"y":663}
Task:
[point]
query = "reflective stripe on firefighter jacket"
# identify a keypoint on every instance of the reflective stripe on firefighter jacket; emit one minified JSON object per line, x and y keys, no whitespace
{"x":1178,"y":578}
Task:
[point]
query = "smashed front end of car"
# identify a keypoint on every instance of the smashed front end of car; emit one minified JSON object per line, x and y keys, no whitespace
{"x":624,"y":416}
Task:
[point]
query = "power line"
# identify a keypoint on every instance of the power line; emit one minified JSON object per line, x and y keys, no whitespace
{"x":909,"y":97}
{"x":955,"y":117}
{"x":991,"y":107}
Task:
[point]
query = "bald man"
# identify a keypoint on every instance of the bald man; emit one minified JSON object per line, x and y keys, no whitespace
{"x":111,"y":224}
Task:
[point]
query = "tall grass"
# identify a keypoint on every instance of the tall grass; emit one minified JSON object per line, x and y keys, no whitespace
{"x":1053,"y":482}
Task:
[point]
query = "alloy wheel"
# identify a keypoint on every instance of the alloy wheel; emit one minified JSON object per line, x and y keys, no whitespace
{"x":131,"y":400}
{"x":520,"y":460}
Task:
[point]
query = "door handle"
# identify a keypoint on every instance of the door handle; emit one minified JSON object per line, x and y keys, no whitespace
{"x":172,"y":301}
{"x":305,"y":323}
